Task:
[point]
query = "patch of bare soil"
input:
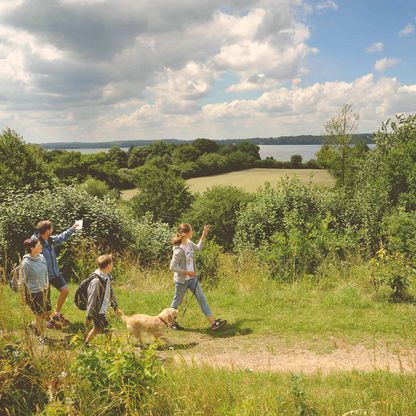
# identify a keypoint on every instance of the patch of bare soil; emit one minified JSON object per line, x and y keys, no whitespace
{"x":267,"y":354}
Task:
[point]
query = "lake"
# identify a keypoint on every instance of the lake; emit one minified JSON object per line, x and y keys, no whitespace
{"x":281,"y":152}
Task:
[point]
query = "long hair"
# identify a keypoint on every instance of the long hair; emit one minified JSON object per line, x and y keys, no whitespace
{"x":180,"y":232}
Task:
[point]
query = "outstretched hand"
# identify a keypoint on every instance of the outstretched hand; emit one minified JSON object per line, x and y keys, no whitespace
{"x":205,"y":231}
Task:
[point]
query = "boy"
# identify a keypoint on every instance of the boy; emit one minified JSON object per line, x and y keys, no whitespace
{"x":100,"y":297}
{"x":44,"y":230}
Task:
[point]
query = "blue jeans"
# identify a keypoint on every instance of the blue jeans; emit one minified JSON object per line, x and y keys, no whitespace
{"x":194,"y":286}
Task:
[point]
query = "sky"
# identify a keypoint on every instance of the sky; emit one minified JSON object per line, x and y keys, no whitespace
{"x":97,"y":70}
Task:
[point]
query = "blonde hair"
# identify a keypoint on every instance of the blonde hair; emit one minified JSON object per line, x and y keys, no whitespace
{"x":104,"y":260}
{"x":182,"y":230}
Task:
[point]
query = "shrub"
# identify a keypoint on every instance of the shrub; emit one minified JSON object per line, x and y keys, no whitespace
{"x":395,"y":271}
{"x":265,"y":215}
{"x":21,"y":382}
{"x":118,"y":378}
{"x":219,"y":207}
{"x":98,"y":188}
{"x":399,"y":233}
{"x":20,"y":212}
{"x":208,"y":262}
{"x":151,"y":240}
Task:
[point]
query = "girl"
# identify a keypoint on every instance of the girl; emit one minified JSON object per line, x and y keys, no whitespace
{"x":34,"y":285}
{"x":185,"y":277}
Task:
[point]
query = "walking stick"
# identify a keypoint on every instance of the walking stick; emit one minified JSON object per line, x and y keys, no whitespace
{"x":189,"y":301}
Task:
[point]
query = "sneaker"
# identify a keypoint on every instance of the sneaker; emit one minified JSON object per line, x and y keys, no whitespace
{"x":58,"y":317}
{"x":32,"y":327}
{"x":218,"y":323}
{"x":175,"y":325}
{"x":53,"y":324}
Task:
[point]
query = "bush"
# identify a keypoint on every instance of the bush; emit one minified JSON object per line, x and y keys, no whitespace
{"x":20,"y":212}
{"x":151,"y":240}
{"x":98,"y":188}
{"x":219,"y":207}
{"x":207,"y":262}
{"x":118,"y":379}
{"x":395,"y":271}
{"x":265,"y":215}
{"x":21,"y":382}
{"x":399,"y":233}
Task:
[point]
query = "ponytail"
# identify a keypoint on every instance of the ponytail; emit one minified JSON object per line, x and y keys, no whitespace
{"x":180,"y":232}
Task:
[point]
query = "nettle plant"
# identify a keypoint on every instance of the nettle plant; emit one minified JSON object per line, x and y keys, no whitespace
{"x":394,"y":270}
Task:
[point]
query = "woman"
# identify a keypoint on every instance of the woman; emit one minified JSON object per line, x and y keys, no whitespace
{"x":185,"y":276}
{"x":33,"y":281}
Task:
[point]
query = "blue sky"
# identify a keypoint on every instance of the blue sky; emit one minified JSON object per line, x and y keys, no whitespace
{"x":120,"y":69}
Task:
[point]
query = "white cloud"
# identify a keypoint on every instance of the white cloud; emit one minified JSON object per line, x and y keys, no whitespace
{"x":407,"y":30}
{"x":327,"y":5}
{"x":375,"y":47}
{"x":383,"y":64}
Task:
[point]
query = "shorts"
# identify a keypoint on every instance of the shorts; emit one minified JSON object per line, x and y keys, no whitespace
{"x":101,"y":323}
{"x":58,"y":282}
{"x":39,"y":302}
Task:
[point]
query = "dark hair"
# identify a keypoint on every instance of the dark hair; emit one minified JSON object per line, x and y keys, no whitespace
{"x":43,"y":226}
{"x":104,"y":260}
{"x":29,"y":244}
{"x":180,"y":232}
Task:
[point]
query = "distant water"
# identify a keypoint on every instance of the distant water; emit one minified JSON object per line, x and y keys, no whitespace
{"x":281,"y":152}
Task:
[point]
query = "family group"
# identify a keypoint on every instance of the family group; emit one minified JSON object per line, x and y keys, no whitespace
{"x":39,"y":271}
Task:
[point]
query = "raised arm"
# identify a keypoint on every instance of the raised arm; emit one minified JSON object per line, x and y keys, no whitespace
{"x":60,"y":238}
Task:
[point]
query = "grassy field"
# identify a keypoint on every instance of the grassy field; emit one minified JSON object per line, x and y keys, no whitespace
{"x":251,"y":179}
{"x":338,"y":314}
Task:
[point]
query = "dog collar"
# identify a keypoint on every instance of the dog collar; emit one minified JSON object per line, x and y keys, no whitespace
{"x":163,"y":321}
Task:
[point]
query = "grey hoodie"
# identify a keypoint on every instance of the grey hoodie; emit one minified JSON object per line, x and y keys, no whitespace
{"x":178,"y":262}
{"x":34,"y":273}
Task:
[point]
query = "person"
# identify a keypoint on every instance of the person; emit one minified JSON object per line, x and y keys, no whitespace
{"x":100,"y":297}
{"x":34,"y":285}
{"x":185,"y":276}
{"x":44,"y":230}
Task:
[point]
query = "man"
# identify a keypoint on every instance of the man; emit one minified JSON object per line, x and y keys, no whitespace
{"x":44,"y":231}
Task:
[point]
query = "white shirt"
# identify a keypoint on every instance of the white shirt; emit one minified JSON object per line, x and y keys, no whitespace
{"x":189,"y":254}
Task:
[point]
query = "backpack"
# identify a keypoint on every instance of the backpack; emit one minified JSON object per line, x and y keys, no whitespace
{"x":81,"y":294}
{"x":14,"y":278}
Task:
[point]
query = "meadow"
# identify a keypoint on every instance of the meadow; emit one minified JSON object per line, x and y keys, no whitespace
{"x":324,"y":346}
{"x":251,"y":179}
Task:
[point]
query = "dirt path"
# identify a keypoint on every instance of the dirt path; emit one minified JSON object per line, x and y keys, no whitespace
{"x":268,"y":354}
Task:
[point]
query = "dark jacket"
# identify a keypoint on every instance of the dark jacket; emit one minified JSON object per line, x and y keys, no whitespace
{"x":96,"y":291}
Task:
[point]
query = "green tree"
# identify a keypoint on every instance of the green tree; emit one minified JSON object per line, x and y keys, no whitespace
{"x":118,"y":156}
{"x":296,"y":161}
{"x":161,"y":192}
{"x":21,"y":164}
{"x":185,"y":153}
{"x":336,"y":153}
{"x":206,"y":145}
{"x":219,"y":207}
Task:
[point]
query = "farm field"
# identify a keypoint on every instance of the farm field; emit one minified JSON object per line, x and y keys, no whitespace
{"x":251,"y":179}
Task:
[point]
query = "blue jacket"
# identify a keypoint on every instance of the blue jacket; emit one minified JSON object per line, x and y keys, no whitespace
{"x":49,"y":253}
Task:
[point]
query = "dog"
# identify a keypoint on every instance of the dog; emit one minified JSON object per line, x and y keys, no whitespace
{"x":155,"y":325}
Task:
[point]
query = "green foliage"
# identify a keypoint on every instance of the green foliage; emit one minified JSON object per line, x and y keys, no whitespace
{"x":205,"y":145}
{"x":98,"y":188}
{"x":208,"y":262}
{"x":118,"y":377}
{"x":266,"y":214}
{"x":219,"y":207}
{"x":21,"y":391}
{"x":22,"y":165}
{"x":296,"y":161}
{"x":394,"y":270}
{"x":301,"y":402}
{"x":151,"y":240}
{"x":161,"y":192}
{"x":20,"y":212}
{"x":399,"y":233}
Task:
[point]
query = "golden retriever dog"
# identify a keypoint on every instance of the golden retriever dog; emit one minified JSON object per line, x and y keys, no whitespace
{"x":155,"y":325}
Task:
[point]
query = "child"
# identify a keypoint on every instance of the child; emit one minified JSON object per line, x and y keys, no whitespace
{"x":100,"y":296}
{"x":34,"y":286}
{"x":44,"y":231}
{"x":185,"y":277}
